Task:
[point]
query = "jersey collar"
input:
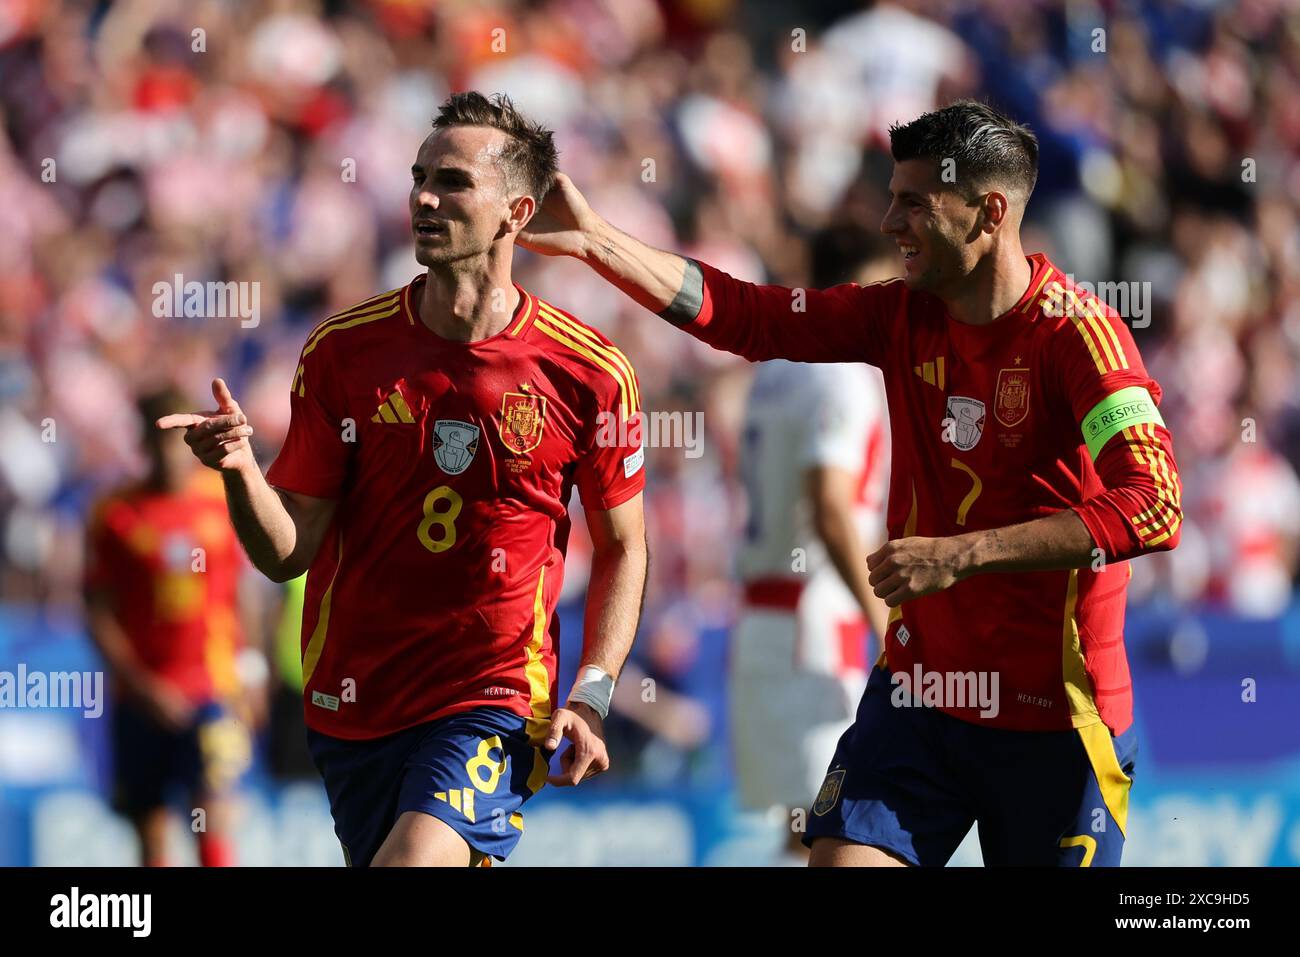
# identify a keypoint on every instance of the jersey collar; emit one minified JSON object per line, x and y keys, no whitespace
{"x":525,"y":311}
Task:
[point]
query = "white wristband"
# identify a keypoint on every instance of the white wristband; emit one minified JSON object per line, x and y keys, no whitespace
{"x":595,"y":688}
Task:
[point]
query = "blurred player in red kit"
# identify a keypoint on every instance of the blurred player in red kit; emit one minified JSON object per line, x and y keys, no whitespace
{"x":162,"y":605}
{"x":1029,"y":463}
{"x":437,"y":433}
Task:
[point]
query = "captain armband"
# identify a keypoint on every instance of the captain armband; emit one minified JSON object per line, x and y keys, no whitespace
{"x":1118,"y":411}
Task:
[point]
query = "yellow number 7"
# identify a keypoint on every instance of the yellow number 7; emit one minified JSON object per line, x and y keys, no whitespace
{"x":973,"y":494}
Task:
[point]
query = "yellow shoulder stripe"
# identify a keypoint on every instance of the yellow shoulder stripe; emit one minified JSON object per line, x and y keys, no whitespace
{"x":384,"y":311}
{"x":625,"y":395}
{"x":1087,"y":339}
{"x":352,"y":310}
{"x":528,"y":308}
{"x":1101,"y":328}
{"x":591,"y":339}
{"x":1047,"y":274}
{"x":1105,"y":323}
{"x":383,"y":300}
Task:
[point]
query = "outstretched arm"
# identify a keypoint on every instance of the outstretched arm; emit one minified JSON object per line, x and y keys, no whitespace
{"x":281,"y":531}
{"x":750,"y":320}
{"x":566,"y":225}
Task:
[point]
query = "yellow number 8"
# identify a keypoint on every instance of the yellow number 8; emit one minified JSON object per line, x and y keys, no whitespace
{"x":483,"y":761}
{"x":446,"y":520}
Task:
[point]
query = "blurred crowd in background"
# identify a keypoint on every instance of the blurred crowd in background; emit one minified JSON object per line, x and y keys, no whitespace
{"x":271,"y":143}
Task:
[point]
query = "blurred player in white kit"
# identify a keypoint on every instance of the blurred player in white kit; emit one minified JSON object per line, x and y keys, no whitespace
{"x":815,"y":462}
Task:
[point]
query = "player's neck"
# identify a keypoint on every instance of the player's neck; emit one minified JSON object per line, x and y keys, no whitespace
{"x":468,"y":305}
{"x":995,"y":285}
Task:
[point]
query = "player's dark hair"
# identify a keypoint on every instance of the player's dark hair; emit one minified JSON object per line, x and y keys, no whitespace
{"x":988,"y":147}
{"x":530,"y":157}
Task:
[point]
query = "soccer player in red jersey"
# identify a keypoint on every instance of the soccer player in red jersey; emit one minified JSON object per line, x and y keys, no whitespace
{"x":162,"y":607}
{"x":437,"y":433}
{"x":1030,"y":463}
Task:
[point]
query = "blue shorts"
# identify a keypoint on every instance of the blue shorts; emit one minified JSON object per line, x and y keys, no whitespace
{"x":913,"y":780}
{"x":472,"y":770}
{"x":154,"y":765}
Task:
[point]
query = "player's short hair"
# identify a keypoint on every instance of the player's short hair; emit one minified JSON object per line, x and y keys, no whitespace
{"x":529,"y":159}
{"x":988,"y":147}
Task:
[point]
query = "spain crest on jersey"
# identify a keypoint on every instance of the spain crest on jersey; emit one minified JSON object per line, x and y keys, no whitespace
{"x":1011,"y":400}
{"x":522,"y":417}
{"x":829,"y":793}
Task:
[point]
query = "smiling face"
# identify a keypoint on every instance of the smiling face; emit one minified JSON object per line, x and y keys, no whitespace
{"x":460,"y":201}
{"x":936,"y":228}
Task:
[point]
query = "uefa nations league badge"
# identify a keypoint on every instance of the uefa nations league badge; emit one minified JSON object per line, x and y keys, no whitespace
{"x":454,"y":445}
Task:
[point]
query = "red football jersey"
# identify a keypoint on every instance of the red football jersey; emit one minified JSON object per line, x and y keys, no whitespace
{"x":986,"y":429}
{"x":452,"y":463}
{"x":176,"y":604}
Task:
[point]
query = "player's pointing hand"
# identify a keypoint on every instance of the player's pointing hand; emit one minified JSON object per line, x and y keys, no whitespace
{"x":218,"y":439}
{"x":587,"y":755}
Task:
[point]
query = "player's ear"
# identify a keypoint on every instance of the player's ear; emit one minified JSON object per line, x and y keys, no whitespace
{"x":994,"y":211}
{"x":521,"y":211}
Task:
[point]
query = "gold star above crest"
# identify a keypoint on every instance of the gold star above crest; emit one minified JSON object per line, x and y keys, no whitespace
{"x":524,"y":386}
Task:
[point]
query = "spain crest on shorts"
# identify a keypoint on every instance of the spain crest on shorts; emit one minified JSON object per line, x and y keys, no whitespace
{"x":1011,"y":400}
{"x":523,"y":415}
{"x":829,"y":794}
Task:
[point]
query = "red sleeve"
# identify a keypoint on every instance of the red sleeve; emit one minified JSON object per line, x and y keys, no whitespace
{"x":845,"y":323}
{"x":1140,"y":510}
{"x":613,"y":469}
{"x":315,"y":457}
